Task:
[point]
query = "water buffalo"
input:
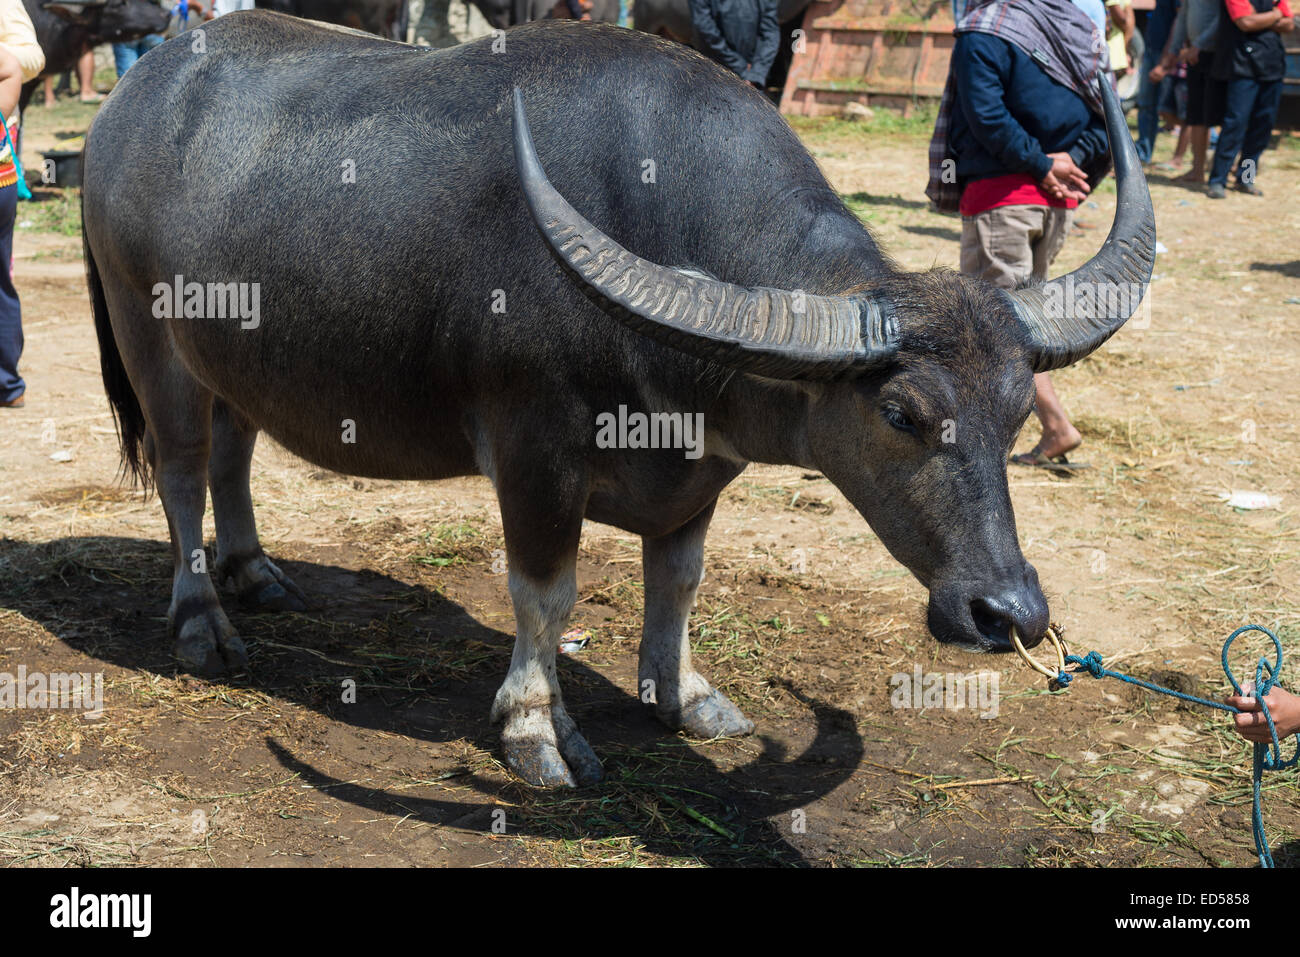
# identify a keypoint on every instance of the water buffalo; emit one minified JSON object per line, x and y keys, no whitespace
{"x":67,"y":30}
{"x":383,"y":18}
{"x":352,"y":245}
{"x":390,"y":18}
{"x":503,"y":14}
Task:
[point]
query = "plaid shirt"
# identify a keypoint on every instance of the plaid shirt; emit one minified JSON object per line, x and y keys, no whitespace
{"x":1055,"y":33}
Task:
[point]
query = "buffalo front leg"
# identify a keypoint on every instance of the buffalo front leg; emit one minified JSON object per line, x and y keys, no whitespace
{"x":682,"y":698}
{"x":541,"y":742}
{"x":257,"y":580}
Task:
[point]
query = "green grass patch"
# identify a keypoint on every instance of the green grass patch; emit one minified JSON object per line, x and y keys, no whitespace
{"x":53,"y":211}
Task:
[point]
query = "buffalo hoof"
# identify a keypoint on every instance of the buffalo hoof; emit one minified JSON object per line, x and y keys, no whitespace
{"x":206,"y":644}
{"x":261,"y":585}
{"x":712,"y":716}
{"x":561,"y":759}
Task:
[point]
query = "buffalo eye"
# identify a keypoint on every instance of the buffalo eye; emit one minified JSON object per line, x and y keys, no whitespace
{"x":897,"y":418}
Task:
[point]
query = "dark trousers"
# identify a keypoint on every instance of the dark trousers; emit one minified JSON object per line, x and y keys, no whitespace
{"x":11,"y":319}
{"x":1250,"y":108}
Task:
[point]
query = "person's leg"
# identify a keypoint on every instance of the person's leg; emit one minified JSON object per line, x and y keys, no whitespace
{"x":415,"y":10}
{"x":1006,"y":246}
{"x":1216,"y":95}
{"x":1148,"y":120}
{"x":1239,"y":98}
{"x":1180,"y":148}
{"x":1194,"y":124}
{"x":1146,"y":99}
{"x":49,"y":91}
{"x":1166,"y":102}
{"x":1199,"y":139}
{"x":1262,"y":116}
{"x":1048,"y":243}
{"x":1059,"y":434}
{"x":12,"y":385}
{"x":124,"y":57}
{"x":996,"y":244}
{"x":86,"y":78}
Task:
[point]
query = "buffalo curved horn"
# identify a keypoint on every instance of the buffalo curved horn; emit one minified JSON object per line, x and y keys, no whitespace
{"x":1072,"y":315}
{"x":768,"y":332}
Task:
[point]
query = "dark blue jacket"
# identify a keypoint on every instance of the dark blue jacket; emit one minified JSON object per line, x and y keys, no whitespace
{"x":742,"y":35}
{"x":1010,"y":114}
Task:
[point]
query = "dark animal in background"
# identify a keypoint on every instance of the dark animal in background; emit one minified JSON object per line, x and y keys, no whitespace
{"x":391,"y":18}
{"x":354,"y":321}
{"x":383,"y":18}
{"x":503,"y":14}
{"x":67,"y":30}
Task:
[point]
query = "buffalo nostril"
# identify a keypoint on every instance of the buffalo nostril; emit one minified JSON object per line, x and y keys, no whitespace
{"x":994,"y":616}
{"x":992,"y":622}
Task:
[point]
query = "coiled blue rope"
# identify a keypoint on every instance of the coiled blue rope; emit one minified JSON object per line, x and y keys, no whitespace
{"x":1268,"y":757}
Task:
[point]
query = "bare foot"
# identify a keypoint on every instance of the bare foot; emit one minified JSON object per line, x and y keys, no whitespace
{"x":1192,"y":176}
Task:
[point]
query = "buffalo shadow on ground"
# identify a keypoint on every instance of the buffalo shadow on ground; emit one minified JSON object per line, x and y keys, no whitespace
{"x":107,"y":598}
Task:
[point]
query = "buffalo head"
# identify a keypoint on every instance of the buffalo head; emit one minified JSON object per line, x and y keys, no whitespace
{"x":916,"y":385}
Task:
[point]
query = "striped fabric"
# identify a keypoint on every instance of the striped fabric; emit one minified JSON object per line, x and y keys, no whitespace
{"x":8,"y":171}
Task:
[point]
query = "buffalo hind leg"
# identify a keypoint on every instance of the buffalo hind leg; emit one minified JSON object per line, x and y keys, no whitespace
{"x":682,"y":698}
{"x":240,"y":559}
{"x":541,"y":742}
{"x":178,"y":446}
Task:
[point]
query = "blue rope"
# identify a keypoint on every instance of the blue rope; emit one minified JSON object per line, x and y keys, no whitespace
{"x":1268,"y":757}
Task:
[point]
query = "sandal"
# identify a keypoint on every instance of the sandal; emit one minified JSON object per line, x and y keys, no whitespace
{"x":1059,"y":464}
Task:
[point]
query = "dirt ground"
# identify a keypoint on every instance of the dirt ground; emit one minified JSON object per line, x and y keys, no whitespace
{"x":802,"y":620}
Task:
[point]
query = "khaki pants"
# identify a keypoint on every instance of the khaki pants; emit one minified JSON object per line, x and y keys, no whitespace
{"x":1008,"y":245}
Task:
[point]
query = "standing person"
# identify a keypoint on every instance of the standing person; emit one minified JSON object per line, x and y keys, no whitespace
{"x":21,"y":59}
{"x":86,"y":78}
{"x":1250,"y":58}
{"x":742,"y":35}
{"x":1192,"y":41}
{"x":1021,"y":116}
{"x":1156,"y":38}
